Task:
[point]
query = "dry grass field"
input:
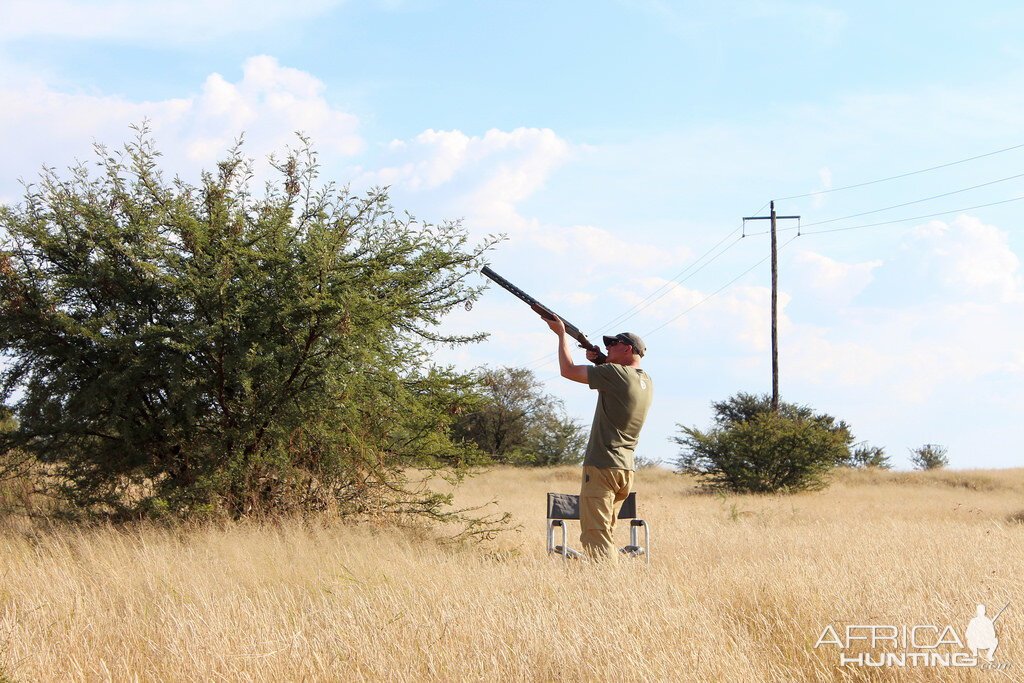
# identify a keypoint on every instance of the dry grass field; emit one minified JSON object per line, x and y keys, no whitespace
{"x":740,"y":588}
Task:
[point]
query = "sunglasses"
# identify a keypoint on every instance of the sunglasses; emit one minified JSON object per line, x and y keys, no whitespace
{"x":615,"y":342}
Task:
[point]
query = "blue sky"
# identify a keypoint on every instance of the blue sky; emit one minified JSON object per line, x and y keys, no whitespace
{"x":615,"y":144}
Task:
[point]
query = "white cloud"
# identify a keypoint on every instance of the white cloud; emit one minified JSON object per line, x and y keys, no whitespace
{"x":826,"y":178}
{"x":826,"y":184}
{"x":738,"y":318}
{"x":439,"y":154}
{"x":485,"y":178}
{"x":970,"y":259}
{"x":269,"y":104}
{"x":578,"y":298}
{"x":528,"y":157}
{"x":482,"y":177}
{"x":833,"y":281}
{"x":962,"y":321}
{"x":168,"y":22}
{"x":895,"y":355}
{"x":910,"y":351}
{"x":597,"y":248}
{"x":810,"y":357}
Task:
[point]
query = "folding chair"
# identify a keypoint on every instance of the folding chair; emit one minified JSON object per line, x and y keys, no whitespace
{"x":566,"y":506}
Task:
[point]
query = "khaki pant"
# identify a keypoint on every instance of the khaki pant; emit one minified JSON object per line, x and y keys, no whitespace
{"x":601,"y":496}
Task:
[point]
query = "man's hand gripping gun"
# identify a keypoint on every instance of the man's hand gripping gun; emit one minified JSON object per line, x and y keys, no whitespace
{"x":546,"y":313}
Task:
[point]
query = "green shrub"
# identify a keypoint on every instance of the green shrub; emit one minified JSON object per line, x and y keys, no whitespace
{"x":512,"y":421}
{"x":929,"y":457}
{"x":753,"y":449}
{"x":868,"y":456}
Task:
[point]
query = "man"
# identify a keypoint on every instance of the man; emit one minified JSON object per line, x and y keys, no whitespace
{"x":623,"y":397}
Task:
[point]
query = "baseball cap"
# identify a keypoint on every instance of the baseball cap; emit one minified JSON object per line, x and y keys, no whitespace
{"x":628,"y":338}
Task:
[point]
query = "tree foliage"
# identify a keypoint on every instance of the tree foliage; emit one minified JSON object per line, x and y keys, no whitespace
{"x":929,"y":457}
{"x":752,"y":448}
{"x":198,"y":348}
{"x":864,"y":456}
{"x":513,"y":421}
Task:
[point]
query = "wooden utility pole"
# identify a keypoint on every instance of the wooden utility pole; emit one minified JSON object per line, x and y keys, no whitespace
{"x":775,"y":298}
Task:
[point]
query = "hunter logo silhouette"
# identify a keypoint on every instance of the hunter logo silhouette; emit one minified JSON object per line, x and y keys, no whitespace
{"x":981,"y":633}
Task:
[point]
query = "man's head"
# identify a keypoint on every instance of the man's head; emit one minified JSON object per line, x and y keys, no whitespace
{"x":624,"y":348}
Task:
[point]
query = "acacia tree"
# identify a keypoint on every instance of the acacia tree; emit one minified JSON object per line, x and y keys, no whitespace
{"x":753,"y":448}
{"x":514,"y":421}
{"x":193,"y":348}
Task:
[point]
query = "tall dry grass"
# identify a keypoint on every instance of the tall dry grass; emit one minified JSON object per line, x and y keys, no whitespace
{"x":739,"y":589}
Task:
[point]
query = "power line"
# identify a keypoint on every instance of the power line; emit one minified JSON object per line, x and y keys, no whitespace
{"x":902,"y":175}
{"x":717,"y":291}
{"x":654,"y":296}
{"x":665,"y":288}
{"x":915,"y":218}
{"x":648,"y":301}
{"x":546,"y":360}
{"x":916,"y":201}
{"x":803,"y":231}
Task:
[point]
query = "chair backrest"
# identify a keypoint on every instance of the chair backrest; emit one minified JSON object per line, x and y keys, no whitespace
{"x":567,"y":506}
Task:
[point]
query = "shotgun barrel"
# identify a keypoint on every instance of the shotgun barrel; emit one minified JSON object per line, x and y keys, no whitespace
{"x":546,"y":313}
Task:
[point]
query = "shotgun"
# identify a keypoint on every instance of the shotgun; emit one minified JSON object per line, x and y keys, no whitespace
{"x":546,"y":313}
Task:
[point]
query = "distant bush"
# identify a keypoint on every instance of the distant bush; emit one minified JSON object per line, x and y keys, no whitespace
{"x":642,"y":462}
{"x":753,"y":449}
{"x":929,"y":457}
{"x":512,"y":421}
{"x":868,"y":456}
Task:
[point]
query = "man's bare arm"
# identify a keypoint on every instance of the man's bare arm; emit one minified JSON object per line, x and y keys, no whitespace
{"x":569,"y":370}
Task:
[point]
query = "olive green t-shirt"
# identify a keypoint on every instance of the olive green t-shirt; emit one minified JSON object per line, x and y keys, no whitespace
{"x":623,"y":398}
